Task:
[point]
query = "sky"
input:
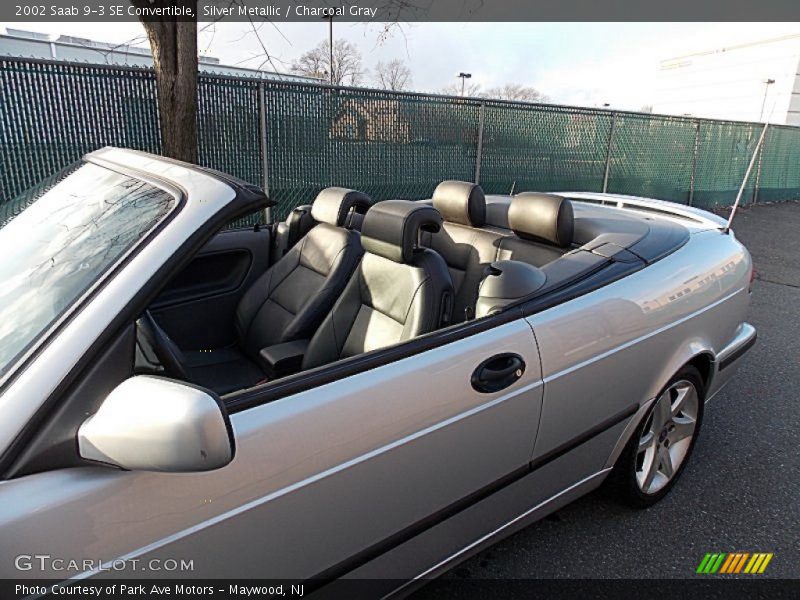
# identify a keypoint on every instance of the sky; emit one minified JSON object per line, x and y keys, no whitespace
{"x":584,"y":64}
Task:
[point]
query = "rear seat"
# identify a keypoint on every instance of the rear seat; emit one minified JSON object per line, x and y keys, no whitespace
{"x":545,"y":237}
{"x":466,"y":249}
{"x":542,"y":227}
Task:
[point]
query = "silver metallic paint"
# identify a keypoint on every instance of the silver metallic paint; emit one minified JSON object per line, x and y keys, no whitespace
{"x":496,"y":517}
{"x":622,"y":343}
{"x":317,"y":476}
{"x":151,"y":423}
{"x":699,"y":218}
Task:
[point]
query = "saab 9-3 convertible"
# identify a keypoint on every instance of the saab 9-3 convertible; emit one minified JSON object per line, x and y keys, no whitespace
{"x":366,"y":389}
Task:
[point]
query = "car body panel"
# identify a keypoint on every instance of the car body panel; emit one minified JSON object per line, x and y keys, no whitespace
{"x":692,"y":217}
{"x":621,"y":343}
{"x":257,"y":516}
{"x":505,"y":512}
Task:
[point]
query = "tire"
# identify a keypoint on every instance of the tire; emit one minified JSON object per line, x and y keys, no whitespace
{"x":662,"y":444}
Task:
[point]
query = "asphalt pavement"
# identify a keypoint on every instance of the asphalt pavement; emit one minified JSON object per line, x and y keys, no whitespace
{"x":740,"y":492}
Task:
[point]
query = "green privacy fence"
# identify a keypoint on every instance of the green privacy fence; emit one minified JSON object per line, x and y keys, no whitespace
{"x":294,"y":139}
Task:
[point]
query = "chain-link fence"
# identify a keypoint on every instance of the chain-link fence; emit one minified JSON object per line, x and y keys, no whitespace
{"x":295,"y":138}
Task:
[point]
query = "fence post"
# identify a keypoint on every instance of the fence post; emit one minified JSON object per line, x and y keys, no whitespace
{"x":694,"y":161}
{"x":479,"y":151}
{"x":608,"y":150}
{"x":758,"y":170}
{"x":262,"y":116}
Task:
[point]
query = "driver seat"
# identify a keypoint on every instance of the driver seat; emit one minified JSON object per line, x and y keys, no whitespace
{"x":290,"y":300}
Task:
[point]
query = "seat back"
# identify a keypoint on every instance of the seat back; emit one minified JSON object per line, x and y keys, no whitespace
{"x":297,"y":224}
{"x":398,"y":291}
{"x":292,"y":297}
{"x":543,"y":225}
{"x":466,"y":249}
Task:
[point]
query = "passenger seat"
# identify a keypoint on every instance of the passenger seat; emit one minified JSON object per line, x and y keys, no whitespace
{"x":292,"y":298}
{"x":399,"y":290}
{"x":466,"y":249}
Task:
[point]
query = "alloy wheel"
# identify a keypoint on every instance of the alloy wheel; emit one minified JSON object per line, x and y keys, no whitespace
{"x":667,"y":436}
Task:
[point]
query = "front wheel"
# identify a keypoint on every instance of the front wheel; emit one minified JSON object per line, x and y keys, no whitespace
{"x":659,"y":450}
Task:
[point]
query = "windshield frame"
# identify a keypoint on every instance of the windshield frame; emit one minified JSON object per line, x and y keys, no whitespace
{"x":179,"y":195}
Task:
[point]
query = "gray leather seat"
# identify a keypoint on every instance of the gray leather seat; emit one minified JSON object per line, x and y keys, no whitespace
{"x":398,"y":291}
{"x":466,"y":249}
{"x":543,"y":225}
{"x":291,"y":299}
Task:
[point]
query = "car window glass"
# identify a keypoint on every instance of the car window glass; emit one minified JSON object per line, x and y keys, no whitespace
{"x":58,"y":239}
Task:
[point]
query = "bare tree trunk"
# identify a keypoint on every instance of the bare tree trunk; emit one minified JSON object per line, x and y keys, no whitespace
{"x":174,"y":48}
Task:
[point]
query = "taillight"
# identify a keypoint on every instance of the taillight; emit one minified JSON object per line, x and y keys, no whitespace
{"x":753,"y":276}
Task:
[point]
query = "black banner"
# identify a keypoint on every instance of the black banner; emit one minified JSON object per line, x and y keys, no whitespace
{"x":712,"y":588}
{"x":399,"y":10}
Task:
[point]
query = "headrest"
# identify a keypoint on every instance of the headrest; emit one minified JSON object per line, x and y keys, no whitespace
{"x":542,"y":218}
{"x":391,"y":228}
{"x":460,"y":202}
{"x":332,"y":205}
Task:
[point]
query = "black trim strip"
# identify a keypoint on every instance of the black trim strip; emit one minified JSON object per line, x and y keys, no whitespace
{"x":307,"y":380}
{"x":570,"y":445}
{"x":413,"y":530}
{"x":372,"y":552}
{"x":736,"y":355}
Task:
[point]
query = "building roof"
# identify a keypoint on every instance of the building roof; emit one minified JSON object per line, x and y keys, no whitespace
{"x":31,"y":44}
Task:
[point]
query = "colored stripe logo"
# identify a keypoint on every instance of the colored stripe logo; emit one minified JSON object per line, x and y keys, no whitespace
{"x":734,"y":563}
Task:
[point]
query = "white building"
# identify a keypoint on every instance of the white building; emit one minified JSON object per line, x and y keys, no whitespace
{"x":731,"y":82}
{"x":29,"y":44}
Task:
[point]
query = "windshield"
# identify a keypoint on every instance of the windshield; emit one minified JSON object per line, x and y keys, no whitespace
{"x":58,"y":239}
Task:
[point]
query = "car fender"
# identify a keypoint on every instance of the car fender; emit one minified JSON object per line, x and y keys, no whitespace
{"x":698,"y":347}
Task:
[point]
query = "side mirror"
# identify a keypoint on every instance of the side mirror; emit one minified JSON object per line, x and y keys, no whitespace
{"x":154,"y":424}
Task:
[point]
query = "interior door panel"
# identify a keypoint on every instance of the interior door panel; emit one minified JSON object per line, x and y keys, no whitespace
{"x":197,"y":308}
{"x":210,"y":274}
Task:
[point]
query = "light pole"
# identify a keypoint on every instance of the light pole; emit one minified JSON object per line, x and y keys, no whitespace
{"x":464,"y":77}
{"x":767,"y":83}
{"x":330,"y":41}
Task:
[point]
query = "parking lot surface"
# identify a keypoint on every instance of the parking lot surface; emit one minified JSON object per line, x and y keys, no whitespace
{"x":741,"y":489}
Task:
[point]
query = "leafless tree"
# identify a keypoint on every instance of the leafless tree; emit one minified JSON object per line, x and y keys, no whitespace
{"x":394,"y":75}
{"x":471,"y":90}
{"x":173,"y":44}
{"x":174,"y":47}
{"x":346,"y":68}
{"x":516,"y":92}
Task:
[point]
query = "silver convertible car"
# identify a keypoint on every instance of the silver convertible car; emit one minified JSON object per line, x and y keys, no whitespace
{"x":365,"y":390}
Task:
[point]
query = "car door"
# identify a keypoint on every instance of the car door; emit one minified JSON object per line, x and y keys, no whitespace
{"x":329,"y":471}
{"x":209,"y":288}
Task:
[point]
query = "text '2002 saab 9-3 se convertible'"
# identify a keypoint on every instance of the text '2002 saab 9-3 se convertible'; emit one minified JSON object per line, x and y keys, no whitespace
{"x":369,"y":389}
